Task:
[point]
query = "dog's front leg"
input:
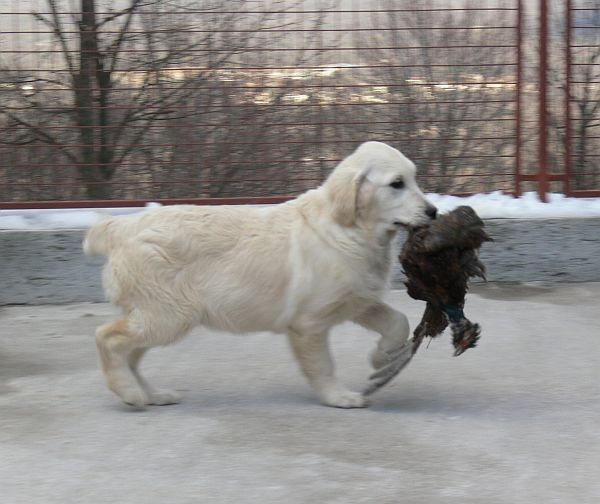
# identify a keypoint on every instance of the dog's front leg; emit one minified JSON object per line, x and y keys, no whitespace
{"x":393,"y":327}
{"x":313,"y":355}
{"x":393,"y":351}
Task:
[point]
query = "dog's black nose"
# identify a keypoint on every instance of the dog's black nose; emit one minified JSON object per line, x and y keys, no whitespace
{"x":431,"y":212}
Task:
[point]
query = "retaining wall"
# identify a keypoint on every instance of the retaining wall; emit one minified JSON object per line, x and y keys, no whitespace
{"x":39,"y":267}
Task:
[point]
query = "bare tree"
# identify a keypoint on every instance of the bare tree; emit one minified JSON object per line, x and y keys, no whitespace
{"x":584,"y":93}
{"x":450,"y":91}
{"x":133,"y":71}
{"x":585,"y":96}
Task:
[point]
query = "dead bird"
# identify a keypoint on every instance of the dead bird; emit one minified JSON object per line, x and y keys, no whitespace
{"x":438,"y":261}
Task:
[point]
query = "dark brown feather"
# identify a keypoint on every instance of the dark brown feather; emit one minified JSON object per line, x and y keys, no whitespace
{"x":438,"y":261}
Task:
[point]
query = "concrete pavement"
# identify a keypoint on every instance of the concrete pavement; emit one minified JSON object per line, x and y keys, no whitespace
{"x":515,"y":420}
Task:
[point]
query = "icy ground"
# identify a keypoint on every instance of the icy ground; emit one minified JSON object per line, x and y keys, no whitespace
{"x":489,"y":206}
{"x":513,"y":421}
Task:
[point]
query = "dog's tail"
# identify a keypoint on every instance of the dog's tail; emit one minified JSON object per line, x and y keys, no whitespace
{"x":102,"y":237}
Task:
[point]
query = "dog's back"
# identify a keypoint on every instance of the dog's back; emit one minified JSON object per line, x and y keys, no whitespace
{"x":109,"y":232}
{"x":204,"y":264}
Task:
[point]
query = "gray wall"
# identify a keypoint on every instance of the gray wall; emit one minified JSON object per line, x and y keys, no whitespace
{"x":49,"y":267}
{"x":540,"y":250}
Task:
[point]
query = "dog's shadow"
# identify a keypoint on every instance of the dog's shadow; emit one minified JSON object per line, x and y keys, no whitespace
{"x":432,"y":400}
{"x":435,"y":401}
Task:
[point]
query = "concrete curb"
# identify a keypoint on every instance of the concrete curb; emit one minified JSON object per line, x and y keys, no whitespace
{"x":41,"y":267}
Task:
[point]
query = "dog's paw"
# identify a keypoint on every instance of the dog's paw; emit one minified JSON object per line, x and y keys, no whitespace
{"x":394,"y":362}
{"x":345,"y":399}
{"x":164,"y":397}
{"x":134,"y":397}
{"x":379,"y":358}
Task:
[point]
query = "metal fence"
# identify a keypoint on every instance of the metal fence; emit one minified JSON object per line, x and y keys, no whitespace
{"x":582,"y":103}
{"x":202,"y":99}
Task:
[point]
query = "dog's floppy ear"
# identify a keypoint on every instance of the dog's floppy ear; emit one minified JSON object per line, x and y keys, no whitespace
{"x":344,"y":191}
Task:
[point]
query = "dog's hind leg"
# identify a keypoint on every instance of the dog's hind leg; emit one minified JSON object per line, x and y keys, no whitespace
{"x":158,"y":397}
{"x":120,"y":349}
{"x":313,"y":355}
{"x":116,"y":343}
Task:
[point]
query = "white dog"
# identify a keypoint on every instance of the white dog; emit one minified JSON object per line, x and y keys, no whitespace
{"x":297,"y":268}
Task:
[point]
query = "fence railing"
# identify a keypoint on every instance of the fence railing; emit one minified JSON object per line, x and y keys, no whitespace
{"x":582,"y":100}
{"x":233,"y":101}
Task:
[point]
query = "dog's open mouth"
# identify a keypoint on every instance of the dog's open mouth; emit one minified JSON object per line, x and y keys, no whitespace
{"x":410,"y":227}
{"x":404,"y":225}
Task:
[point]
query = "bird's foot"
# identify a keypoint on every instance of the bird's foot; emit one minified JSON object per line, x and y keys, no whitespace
{"x":465,"y":335}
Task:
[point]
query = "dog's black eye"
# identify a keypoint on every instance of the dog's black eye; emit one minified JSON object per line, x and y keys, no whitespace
{"x":397,"y":184}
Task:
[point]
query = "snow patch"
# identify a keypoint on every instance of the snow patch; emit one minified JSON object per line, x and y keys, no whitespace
{"x":494,"y":205}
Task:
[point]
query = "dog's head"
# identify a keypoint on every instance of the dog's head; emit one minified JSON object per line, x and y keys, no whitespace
{"x":375,"y":186}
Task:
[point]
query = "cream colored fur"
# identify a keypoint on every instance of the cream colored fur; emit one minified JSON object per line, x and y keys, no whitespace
{"x":298,"y":268}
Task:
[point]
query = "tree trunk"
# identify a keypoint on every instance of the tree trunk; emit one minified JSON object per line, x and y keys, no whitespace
{"x":91,"y":170}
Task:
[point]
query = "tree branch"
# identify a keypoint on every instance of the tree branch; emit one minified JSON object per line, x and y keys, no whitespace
{"x":56,"y":27}
{"x":41,"y":134}
{"x":115,"y":47}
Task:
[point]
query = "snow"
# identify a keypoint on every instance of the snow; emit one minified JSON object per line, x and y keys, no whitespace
{"x":495,"y":205}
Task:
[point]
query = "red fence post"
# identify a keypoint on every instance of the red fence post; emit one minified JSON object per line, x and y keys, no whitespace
{"x":543,"y":106}
{"x":568,"y":161}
